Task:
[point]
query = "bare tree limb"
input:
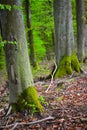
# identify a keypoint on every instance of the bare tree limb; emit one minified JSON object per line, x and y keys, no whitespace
{"x":26,"y":124}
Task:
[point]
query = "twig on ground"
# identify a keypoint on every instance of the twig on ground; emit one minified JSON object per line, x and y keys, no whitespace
{"x":26,"y":124}
{"x":82,"y":71}
{"x":1,"y":110}
{"x":14,"y":126}
{"x":52,"y":78}
{"x":8,"y":111}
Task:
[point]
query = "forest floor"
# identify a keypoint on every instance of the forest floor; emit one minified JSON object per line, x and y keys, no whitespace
{"x":65,"y":106}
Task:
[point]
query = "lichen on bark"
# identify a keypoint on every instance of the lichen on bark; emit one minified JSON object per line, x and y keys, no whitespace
{"x":67,"y":65}
{"x":28,"y":100}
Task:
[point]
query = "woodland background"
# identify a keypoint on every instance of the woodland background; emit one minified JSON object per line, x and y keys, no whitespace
{"x":65,"y":98}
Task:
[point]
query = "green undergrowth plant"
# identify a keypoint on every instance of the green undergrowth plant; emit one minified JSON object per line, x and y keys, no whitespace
{"x":60,"y":98}
{"x":42,"y":100}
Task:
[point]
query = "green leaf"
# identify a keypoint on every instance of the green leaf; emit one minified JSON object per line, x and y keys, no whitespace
{"x":18,"y":7}
{"x":8,"y":7}
{"x":2,"y":6}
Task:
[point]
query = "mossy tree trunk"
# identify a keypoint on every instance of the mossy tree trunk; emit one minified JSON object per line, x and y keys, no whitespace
{"x":80,"y":11}
{"x":64,"y":36}
{"x":2,"y":57}
{"x":17,"y":60}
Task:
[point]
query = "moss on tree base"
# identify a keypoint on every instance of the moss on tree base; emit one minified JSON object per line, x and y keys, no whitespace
{"x":67,"y":65}
{"x":28,"y":100}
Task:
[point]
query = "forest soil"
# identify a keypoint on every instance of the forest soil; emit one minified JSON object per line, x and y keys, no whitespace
{"x":66,"y":101}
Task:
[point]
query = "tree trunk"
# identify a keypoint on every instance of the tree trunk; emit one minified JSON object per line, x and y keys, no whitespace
{"x":17,"y":60}
{"x":85,"y":3}
{"x":2,"y":59}
{"x":80,"y":11}
{"x":30,"y":37}
{"x":64,"y":36}
{"x":63,"y":28}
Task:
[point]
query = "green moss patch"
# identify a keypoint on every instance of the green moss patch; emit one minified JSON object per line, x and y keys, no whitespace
{"x":64,"y":67}
{"x":75,"y":63}
{"x":67,"y":65}
{"x":28,"y":100}
{"x":2,"y":59}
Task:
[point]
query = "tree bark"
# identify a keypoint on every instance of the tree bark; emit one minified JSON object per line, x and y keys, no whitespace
{"x":30,"y":37}
{"x":64,"y":38}
{"x":80,"y":11}
{"x":63,"y":28}
{"x":17,"y":60}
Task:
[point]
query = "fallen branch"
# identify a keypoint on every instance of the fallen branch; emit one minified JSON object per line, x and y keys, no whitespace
{"x":8,"y":111}
{"x":83,"y":72}
{"x":1,"y":110}
{"x":52,"y":78}
{"x":67,"y":79}
{"x":26,"y":124}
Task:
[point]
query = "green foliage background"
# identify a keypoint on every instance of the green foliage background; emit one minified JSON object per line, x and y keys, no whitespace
{"x":42,"y":26}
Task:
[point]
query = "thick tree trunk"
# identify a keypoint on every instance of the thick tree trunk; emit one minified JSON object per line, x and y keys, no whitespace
{"x":30,"y":33}
{"x":11,"y":55}
{"x":17,"y":60}
{"x":63,"y":28}
{"x":85,"y":3}
{"x":64,"y":36}
{"x":80,"y":28}
{"x":85,"y":42}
